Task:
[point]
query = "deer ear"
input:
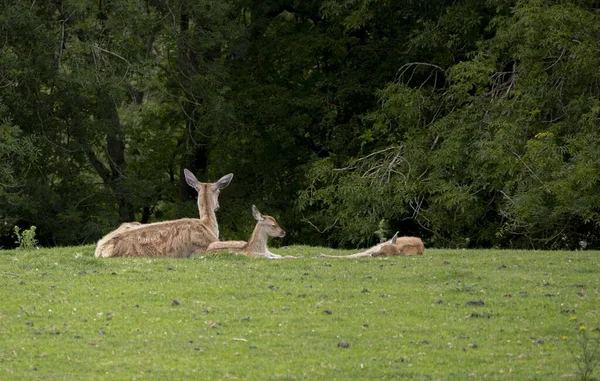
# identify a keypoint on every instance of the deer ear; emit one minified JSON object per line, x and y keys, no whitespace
{"x":222,"y":182}
{"x":256,"y":214}
{"x":394,"y":238}
{"x":191,"y":180}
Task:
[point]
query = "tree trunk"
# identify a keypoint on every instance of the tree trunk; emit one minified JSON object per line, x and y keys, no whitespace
{"x":115,"y":148}
{"x":194,"y":155}
{"x":146,"y":212}
{"x":114,"y":176}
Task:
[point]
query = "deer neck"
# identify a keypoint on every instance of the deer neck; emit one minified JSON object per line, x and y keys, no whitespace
{"x":258,"y":241}
{"x":206,"y":208}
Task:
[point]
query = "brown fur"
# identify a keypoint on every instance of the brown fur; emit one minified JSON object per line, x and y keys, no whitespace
{"x":178,"y":238}
{"x":123,"y":227}
{"x":410,"y":245}
{"x":388,"y":250}
{"x":230,"y":246}
{"x":266,"y":226}
{"x":397,"y":246}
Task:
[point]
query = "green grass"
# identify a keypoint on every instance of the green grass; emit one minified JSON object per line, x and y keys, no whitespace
{"x":67,"y":315}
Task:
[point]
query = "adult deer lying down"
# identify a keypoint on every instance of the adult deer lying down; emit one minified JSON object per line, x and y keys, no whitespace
{"x":266,"y":226}
{"x":123,"y":227}
{"x":397,"y":246}
{"x":178,"y":238}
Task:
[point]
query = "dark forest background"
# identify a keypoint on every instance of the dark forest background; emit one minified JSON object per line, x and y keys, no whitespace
{"x":471,"y":123}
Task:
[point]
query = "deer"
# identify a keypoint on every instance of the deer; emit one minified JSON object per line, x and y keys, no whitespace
{"x":410,"y":245}
{"x":123,"y":227}
{"x":397,"y":246}
{"x":173,"y":239}
{"x":266,"y":226}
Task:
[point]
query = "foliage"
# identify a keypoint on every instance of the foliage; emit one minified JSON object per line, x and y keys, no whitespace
{"x":17,"y":154}
{"x":587,"y":354}
{"x":493,"y":156}
{"x":25,"y":238}
{"x":225,"y":316}
{"x":100,"y":87}
{"x":469,"y":123}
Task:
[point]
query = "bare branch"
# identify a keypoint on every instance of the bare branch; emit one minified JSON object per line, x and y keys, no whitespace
{"x":562,"y":53}
{"x":502,"y":86}
{"x":316,"y":228}
{"x":414,"y":66}
{"x":531,"y":171}
{"x":96,"y":46}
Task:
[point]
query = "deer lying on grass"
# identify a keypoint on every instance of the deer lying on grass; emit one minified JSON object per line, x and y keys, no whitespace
{"x":397,"y":246}
{"x":178,"y":238}
{"x":123,"y":227}
{"x":266,"y":226}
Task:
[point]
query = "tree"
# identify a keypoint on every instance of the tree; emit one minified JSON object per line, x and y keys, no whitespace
{"x":469,"y":123}
{"x":87,"y":76}
{"x":17,"y":153}
{"x":492,"y":156}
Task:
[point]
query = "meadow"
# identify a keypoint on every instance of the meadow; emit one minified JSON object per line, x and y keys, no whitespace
{"x":449,"y":315}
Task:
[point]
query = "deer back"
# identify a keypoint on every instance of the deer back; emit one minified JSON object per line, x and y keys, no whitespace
{"x":410,"y":245}
{"x":101,"y":249}
{"x":176,"y":239}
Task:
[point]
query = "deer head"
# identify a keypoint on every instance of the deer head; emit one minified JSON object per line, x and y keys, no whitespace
{"x":389,"y":249}
{"x":208,"y":193}
{"x":267,"y":224}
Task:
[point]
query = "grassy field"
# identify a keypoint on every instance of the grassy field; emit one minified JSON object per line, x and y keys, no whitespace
{"x":452,"y":314}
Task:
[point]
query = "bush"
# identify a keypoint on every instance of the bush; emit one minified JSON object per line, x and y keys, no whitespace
{"x":26,"y":238}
